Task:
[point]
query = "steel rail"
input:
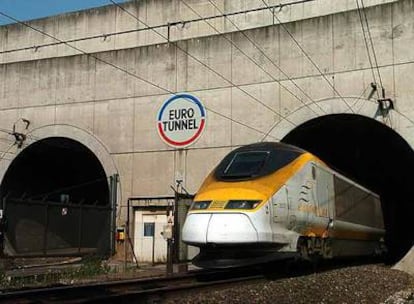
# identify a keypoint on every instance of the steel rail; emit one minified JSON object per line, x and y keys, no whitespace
{"x":101,"y":292}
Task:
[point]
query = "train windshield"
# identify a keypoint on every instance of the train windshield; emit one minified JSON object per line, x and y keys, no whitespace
{"x":256,"y":160}
{"x":246,"y":164}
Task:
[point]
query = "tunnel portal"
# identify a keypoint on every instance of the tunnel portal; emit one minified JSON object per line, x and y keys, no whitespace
{"x":55,"y":198}
{"x":373,"y":155}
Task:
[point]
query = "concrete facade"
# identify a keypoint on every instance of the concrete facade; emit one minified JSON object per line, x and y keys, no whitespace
{"x":67,"y":93}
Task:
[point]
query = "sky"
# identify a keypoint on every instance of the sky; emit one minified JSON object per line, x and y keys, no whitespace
{"x":32,"y":9}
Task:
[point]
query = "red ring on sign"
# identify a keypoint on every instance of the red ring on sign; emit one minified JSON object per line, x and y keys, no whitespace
{"x":183,"y":143}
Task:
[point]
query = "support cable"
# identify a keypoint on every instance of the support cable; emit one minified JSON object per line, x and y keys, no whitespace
{"x":307,"y":55}
{"x":83,"y":52}
{"x":367,"y":46}
{"x":103,"y":36}
{"x":126,"y":71}
{"x":270,"y":130}
{"x":203,"y":64}
{"x":242,"y":124}
{"x":384,"y":104}
{"x":372,"y":44}
{"x":360,"y":97}
{"x":4,"y":153}
{"x":223,"y":35}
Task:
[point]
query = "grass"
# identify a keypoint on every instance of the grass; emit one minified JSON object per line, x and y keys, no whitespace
{"x":89,"y":268}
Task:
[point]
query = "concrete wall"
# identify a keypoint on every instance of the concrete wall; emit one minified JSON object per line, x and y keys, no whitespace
{"x":54,"y":86}
{"x":108,"y":28}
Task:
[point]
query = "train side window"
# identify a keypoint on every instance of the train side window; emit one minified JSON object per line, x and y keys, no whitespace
{"x":313,"y":172}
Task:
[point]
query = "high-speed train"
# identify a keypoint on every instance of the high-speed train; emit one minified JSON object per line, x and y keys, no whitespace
{"x":269,"y":201}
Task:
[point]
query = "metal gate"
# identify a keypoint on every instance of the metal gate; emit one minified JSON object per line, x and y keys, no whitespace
{"x":50,"y":228}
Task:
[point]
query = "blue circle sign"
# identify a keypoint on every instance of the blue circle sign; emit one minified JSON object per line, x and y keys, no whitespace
{"x":181,"y":120}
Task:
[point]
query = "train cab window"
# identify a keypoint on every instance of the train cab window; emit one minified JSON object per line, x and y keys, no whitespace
{"x":255,"y":160}
{"x":246,"y":164}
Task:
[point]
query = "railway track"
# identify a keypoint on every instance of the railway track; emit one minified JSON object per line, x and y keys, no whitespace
{"x":153,"y":290}
{"x":138,"y":290}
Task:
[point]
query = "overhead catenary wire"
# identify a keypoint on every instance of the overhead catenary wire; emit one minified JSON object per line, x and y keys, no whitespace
{"x":243,"y":124}
{"x":223,"y":34}
{"x":106,"y":35}
{"x":203,"y":64}
{"x":307,"y":55}
{"x":271,"y":9}
{"x":7,"y":140}
{"x":123,"y":69}
{"x":83,"y":52}
{"x":5,"y":152}
{"x":366,"y":46}
{"x":219,"y":114}
{"x":360,"y":97}
{"x":369,"y":47}
{"x":256,"y":45}
{"x":372,"y":43}
{"x":266,"y":135}
{"x":277,"y":122}
{"x":396,"y":111}
{"x":223,"y":116}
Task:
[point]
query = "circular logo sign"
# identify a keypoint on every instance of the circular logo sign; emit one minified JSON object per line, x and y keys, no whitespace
{"x":181,"y":120}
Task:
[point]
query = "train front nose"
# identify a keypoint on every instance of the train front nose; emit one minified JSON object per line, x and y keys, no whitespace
{"x":219,"y":228}
{"x":231,"y":228}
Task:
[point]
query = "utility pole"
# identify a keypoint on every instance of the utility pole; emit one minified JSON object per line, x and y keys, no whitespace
{"x":169,"y":235}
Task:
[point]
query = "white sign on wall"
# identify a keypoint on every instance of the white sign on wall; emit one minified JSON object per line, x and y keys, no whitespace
{"x":181,"y":120}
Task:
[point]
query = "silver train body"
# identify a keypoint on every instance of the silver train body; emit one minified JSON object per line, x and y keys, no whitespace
{"x":270,"y":201}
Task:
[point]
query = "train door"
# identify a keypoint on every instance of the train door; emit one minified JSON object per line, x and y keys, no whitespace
{"x":280,"y":206}
{"x":324,"y":193}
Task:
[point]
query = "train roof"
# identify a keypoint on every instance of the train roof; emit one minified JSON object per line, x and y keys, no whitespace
{"x":268,"y":146}
{"x":256,"y":160}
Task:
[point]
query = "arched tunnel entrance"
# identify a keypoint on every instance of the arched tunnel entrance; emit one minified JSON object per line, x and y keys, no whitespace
{"x":55,"y":198}
{"x":373,"y":155}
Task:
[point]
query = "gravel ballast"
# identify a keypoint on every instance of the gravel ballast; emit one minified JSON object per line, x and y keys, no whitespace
{"x":356,"y":284}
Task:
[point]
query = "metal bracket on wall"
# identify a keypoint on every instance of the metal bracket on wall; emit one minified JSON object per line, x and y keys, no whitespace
{"x":20,"y":137}
{"x":385,"y":105}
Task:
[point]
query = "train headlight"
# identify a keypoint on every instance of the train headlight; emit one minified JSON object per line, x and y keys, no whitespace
{"x":200,"y":205}
{"x":242,"y":204}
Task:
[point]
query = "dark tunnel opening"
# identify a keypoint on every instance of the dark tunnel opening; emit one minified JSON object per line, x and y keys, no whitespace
{"x":373,"y":155}
{"x":55,"y":197}
{"x":57,"y":166}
